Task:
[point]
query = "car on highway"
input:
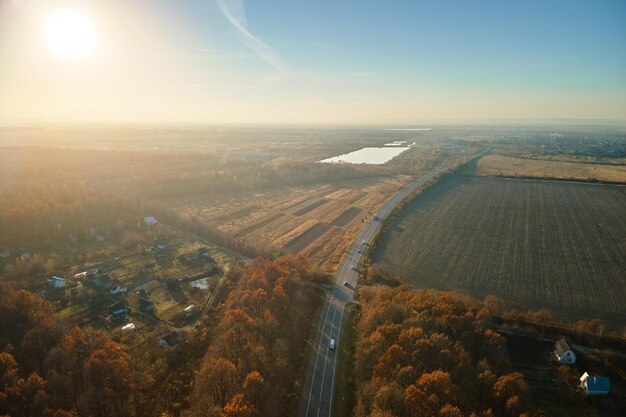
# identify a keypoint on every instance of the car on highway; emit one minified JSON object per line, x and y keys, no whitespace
{"x":353,"y":267}
{"x":359,"y":251}
{"x":332,"y":344}
{"x":347,"y":284}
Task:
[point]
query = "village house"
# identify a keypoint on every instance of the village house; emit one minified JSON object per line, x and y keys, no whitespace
{"x":57,"y":282}
{"x":118,"y":290}
{"x":563,"y":353}
{"x":595,"y":385}
{"x":149,"y":221}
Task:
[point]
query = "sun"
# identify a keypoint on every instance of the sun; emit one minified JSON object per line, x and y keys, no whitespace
{"x":70,"y":34}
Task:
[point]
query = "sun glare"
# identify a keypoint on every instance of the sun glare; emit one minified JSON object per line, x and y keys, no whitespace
{"x":70,"y":34}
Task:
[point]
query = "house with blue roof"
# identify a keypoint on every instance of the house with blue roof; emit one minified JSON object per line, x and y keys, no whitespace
{"x":595,"y":385}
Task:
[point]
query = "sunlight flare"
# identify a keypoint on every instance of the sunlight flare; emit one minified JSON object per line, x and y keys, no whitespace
{"x":70,"y":34}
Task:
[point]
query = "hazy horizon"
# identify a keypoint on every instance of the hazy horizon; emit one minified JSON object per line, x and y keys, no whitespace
{"x":276,"y":63}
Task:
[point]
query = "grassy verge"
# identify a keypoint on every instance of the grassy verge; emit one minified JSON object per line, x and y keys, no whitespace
{"x":345,"y":385}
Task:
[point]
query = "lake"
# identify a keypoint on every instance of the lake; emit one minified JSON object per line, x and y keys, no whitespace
{"x":373,"y":156}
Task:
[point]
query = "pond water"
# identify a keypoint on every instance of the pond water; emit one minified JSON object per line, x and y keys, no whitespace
{"x":374,"y":156}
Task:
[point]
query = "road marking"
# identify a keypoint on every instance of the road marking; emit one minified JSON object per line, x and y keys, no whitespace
{"x":326,"y":357}
{"x":316,"y":356}
{"x":332,"y":385}
{"x":345,"y":271}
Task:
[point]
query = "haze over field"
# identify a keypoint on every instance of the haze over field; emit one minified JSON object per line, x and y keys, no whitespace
{"x":322,"y":62}
{"x":274,"y":208}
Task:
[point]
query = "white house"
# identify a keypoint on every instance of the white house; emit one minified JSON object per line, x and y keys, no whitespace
{"x":57,"y":282}
{"x":595,"y":385}
{"x":149,"y":221}
{"x":563,"y":353}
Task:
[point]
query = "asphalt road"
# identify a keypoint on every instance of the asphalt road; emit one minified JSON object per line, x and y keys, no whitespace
{"x":317,"y":399}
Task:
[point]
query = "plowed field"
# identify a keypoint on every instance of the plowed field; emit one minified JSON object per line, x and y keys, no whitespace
{"x":534,"y":243}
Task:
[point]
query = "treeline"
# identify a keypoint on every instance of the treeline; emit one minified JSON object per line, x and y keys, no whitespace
{"x":48,"y":194}
{"x":421,"y":354}
{"x":50,"y":213}
{"x":252,"y":364}
{"x":46,"y":370}
{"x":166,"y":175}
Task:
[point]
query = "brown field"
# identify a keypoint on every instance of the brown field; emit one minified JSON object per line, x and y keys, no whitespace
{"x":347,"y":216}
{"x":317,"y":221}
{"x":310,"y":207}
{"x":518,"y":167}
{"x":300,"y":242}
{"x":532,"y":243}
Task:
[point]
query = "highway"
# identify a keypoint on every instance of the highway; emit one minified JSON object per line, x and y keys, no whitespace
{"x":317,"y":398}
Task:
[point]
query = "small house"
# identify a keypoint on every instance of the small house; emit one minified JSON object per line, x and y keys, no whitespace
{"x":128,"y":327}
{"x":189,"y":310}
{"x":149,"y":221}
{"x":169,"y":340}
{"x":595,"y":385}
{"x":563,"y":353}
{"x":118,"y":290}
{"x":57,"y":282}
{"x":81,"y":275}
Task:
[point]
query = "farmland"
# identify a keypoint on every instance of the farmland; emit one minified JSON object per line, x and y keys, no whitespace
{"x":317,"y":221}
{"x":506,"y":166}
{"x":532,"y":243}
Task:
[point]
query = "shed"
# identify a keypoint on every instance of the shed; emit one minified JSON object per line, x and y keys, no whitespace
{"x":563,"y":352}
{"x":150,"y":220}
{"x":595,"y":385}
{"x":129,"y":326}
{"x":81,"y":275}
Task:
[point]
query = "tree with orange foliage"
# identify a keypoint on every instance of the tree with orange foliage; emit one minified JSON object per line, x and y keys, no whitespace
{"x":421,"y":354}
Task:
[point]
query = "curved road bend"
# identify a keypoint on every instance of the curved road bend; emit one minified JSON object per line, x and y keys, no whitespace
{"x":317,"y":398}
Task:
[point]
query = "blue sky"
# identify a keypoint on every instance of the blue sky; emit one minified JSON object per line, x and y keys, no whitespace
{"x":333,"y":62}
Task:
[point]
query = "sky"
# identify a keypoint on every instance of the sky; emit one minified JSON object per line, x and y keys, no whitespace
{"x":311,"y":62}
